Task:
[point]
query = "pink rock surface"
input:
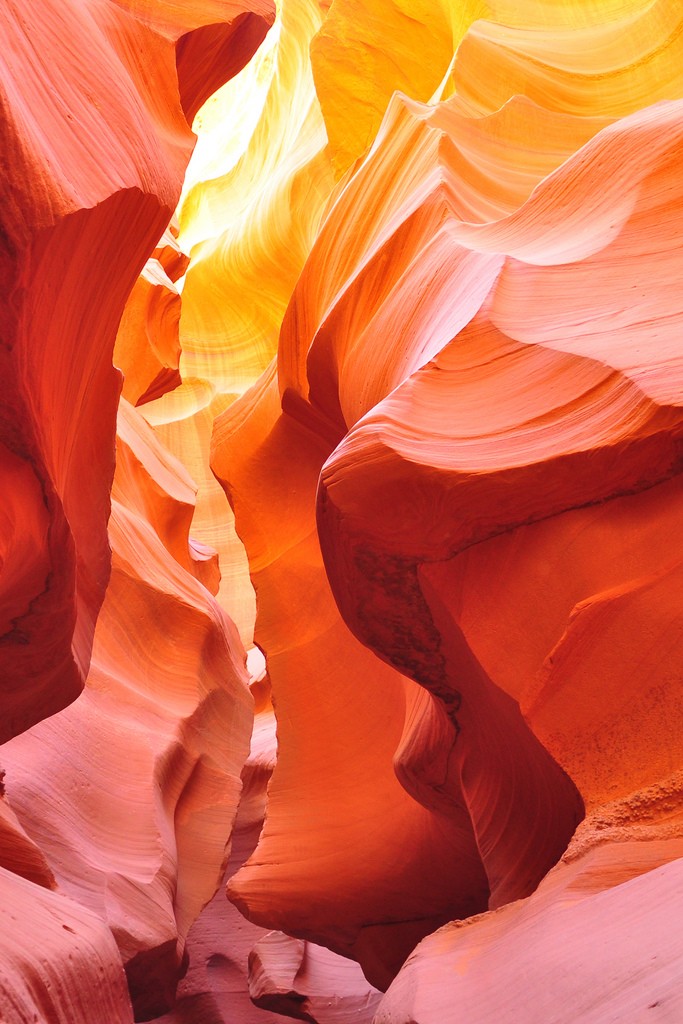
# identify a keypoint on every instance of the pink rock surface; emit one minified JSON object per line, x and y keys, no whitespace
{"x":308,"y":982}
{"x":458,"y":485}
{"x":485,"y":421}
{"x":586,"y":948}
{"x":131,"y":792}
{"x":18,"y":852}
{"x":224,"y":948}
{"x":215,"y":988}
{"x":58,"y":962}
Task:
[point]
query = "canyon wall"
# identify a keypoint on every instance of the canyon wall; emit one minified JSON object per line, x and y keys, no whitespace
{"x":341,"y":590}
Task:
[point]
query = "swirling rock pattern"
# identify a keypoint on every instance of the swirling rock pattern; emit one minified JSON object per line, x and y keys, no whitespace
{"x":157,"y":739}
{"x":481,"y":358}
{"x":93,"y":163}
{"x":122,"y":800}
{"x":419,"y":312}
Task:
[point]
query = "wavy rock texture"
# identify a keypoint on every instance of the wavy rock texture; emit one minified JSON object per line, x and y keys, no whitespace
{"x":252,"y":202}
{"x":376,"y":908}
{"x":419,"y":311}
{"x":474,"y":354}
{"x":126,"y":799}
{"x":147,"y":762}
{"x":183,"y":422}
{"x":54,"y":955}
{"x":606,"y":59}
{"x":215,"y":988}
{"x":224,"y":949}
{"x":18,"y":852}
{"x":251,"y":206}
{"x":599,"y":420}
{"x":147,"y":348}
{"x":97,"y":158}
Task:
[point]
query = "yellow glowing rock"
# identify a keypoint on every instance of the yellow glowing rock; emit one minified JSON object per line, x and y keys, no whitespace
{"x":607,"y":58}
{"x":252,"y":203}
{"x":183,"y":421}
{"x":252,"y":206}
{"x":366,"y":51}
{"x":610,"y":68}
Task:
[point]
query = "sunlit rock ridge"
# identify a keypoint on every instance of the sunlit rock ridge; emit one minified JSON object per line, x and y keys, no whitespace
{"x":341,"y":583}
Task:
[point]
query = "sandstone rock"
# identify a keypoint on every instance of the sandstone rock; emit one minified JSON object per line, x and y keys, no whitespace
{"x":147,"y":346}
{"x":132,"y":791}
{"x":222,"y":945}
{"x":587,"y":947}
{"x":94,"y":155}
{"x":58,"y":962}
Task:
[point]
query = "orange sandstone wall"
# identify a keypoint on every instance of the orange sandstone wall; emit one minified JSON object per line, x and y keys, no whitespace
{"x":389,"y":382}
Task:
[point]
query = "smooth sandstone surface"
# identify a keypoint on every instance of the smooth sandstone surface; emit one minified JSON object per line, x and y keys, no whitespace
{"x":54,"y":954}
{"x":439,"y":443}
{"x":374,"y":914}
{"x":388,"y":381}
{"x":147,"y":349}
{"x":251,"y":204}
{"x":132,"y":791}
{"x":224,"y":981}
{"x":584,"y":948}
{"x":97,"y":157}
{"x":119,"y":800}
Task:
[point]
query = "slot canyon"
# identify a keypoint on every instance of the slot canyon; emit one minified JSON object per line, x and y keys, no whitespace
{"x":341,"y":451}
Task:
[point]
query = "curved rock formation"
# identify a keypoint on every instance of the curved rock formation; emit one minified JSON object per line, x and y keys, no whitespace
{"x":94,"y":159}
{"x":251,"y":206}
{"x":147,"y":761}
{"x":252,"y":202}
{"x":213,"y":52}
{"x":18,"y":852}
{"x":419,"y":310}
{"x":596,"y":941}
{"x":73,"y":970}
{"x":147,"y":348}
{"x":600,"y":419}
{"x":224,"y":949}
{"x":459,"y":416}
{"x":308,"y":982}
{"x":324,"y":792}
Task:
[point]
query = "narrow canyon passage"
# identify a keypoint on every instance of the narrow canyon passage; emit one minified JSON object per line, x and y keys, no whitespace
{"x":341,"y":603}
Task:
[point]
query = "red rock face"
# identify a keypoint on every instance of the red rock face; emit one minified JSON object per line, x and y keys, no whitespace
{"x":147,"y":762}
{"x":94,"y":165}
{"x":391,"y":388}
{"x":147,"y":348}
{"x":59,"y":961}
{"x":404,"y":883}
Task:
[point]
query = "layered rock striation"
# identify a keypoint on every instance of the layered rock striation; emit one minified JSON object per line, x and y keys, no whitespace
{"x":390,"y":385}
